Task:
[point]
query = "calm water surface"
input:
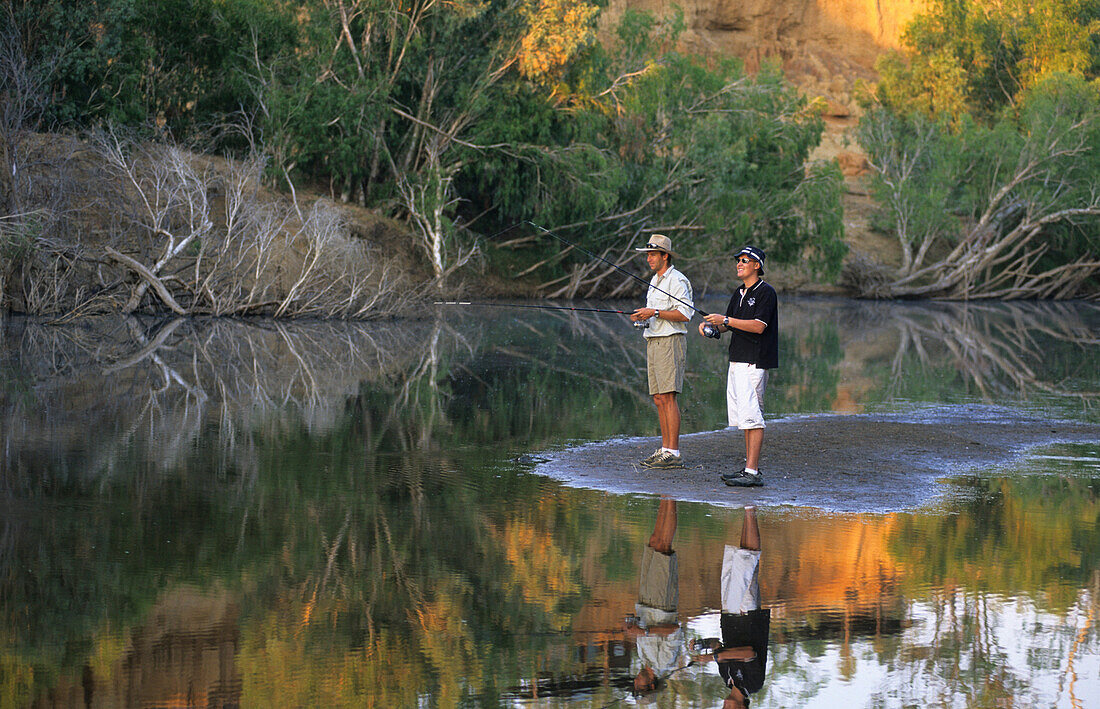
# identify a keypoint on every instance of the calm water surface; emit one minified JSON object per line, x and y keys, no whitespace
{"x":218,"y":513}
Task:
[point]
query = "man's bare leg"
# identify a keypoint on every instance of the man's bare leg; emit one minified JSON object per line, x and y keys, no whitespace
{"x":664,"y":529}
{"x":750,"y":532}
{"x":668,"y":415}
{"x":754,"y":441}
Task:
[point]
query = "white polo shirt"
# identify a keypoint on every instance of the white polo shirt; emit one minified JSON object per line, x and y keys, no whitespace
{"x":678,"y":285}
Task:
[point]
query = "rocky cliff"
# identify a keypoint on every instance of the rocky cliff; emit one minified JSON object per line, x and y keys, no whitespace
{"x":824,"y":46}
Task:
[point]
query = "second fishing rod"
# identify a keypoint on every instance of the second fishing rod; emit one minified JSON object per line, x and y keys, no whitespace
{"x":708,"y":329}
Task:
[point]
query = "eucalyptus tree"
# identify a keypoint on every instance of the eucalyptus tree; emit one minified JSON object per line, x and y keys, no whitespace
{"x":977,"y":56}
{"x":646,"y":139}
{"x":1009,"y":210}
{"x":380,"y":95}
{"x":176,"y":65}
{"x":983,"y":139}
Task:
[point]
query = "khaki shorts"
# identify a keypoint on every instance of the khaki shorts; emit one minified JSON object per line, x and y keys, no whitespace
{"x":666,"y":358}
{"x":659,"y":580}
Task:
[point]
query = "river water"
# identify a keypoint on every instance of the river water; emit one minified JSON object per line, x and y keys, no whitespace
{"x":221,"y":513}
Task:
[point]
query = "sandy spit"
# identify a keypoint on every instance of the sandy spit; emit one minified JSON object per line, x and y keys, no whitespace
{"x":840,"y":463}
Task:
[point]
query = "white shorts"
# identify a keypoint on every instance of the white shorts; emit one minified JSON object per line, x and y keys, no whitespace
{"x":745,"y":385}
{"x":740,"y":581}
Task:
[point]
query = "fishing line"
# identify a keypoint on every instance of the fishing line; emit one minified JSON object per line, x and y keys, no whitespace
{"x":641,"y":324}
{"x":613,"y":702}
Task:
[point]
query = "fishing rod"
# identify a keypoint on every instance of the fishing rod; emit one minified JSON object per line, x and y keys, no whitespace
{"x":540,"y":307}
{"x":642,"y":324}
{"x":708,"y":329}
{"x":616,"y":267}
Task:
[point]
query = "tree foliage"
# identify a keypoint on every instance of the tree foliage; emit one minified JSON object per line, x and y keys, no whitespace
{"x":977,"y":56}
{"x":669,"y":143}
{"x":180,"y":64}
{"x":1008,"y":210}
{"x":465,"y":118}
{"x":983,"y":140}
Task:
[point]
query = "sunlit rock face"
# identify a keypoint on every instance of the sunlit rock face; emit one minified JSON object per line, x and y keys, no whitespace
{"x":824,"y":46}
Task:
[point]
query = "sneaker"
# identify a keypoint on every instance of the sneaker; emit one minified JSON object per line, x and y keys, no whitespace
{"x":665,"y":460}
{"x":728,"y":475}
{"x":744,"y":479}
{"x":652,"y":457}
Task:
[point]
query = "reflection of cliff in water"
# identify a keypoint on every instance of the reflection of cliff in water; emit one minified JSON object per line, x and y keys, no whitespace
{"x":183,"y":655}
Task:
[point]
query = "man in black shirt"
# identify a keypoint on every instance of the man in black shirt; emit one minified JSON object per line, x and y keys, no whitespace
{"x":753,"y":317}
{"x":742,"y":652}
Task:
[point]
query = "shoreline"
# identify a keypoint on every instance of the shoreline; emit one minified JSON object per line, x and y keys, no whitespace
{"x":853,"y":463}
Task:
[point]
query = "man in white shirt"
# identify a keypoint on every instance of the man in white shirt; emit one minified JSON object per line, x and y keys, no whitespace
{"x":656,"y":629}
{"x":668,"y":308}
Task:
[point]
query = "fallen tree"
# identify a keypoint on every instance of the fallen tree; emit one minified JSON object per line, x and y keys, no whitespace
{"x":1007,"y":211}
{"x":170,"y":230}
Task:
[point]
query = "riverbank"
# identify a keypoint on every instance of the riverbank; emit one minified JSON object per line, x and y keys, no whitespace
{"x":841,"y":463}
{"x":229,"y":244}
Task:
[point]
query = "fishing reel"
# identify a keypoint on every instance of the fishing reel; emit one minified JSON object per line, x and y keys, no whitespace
{"x":640,"y":324}
{"x":711,"y":331}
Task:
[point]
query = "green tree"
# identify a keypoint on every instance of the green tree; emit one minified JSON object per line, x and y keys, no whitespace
{"x":1004,"y":211}
{"x":680,"y":146}
{"x":382,"y":100}
{"x":977,"y":56}
{"x":182,"y":64}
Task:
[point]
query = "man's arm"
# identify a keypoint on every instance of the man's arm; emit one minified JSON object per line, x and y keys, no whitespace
{"x":744,"y":653}
{"x":757,"y":326}
{"x":719,"y":321}
{"x":764,"y":311}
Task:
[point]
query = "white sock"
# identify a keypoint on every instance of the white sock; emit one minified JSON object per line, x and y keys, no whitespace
{"x":750,"y":471}
{"x":673,"y":452}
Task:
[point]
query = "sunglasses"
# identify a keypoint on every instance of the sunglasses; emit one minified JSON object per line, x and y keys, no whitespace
{"x":744,"y":260}
{"x":655,"y":246}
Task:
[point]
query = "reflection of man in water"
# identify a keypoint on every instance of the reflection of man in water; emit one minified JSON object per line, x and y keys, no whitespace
{"x":655,"y":629}
{"x":742,"y":654}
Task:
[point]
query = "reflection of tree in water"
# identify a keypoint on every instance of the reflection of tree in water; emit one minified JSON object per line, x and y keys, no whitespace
{"x":1015,"y":546}
{"x":326,"y":505}
{"x":195,"y":448}
{"x":1005,"y":348}
{"x":551,"y":376}
{"x":809,"y":376}
{"x":182,"y":654}
{"x":362,"y":568}
{"x":1012,"y":532}
{"x":150,"y":390}
{"x":97,"y":396}
{"x":359,"y":580}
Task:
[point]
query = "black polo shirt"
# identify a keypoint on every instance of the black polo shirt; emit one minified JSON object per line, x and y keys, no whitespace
{"x":741,"y":630}
{"x":757,"y":303}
